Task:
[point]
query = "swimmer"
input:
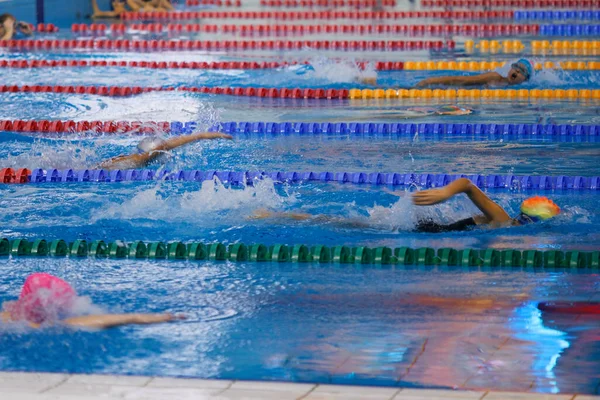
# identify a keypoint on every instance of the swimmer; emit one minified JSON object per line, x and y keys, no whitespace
{"x":47,"y":299}
{"x":118,"y":8}
{"x":156,"y":149}
{"x":9,"y":27}
{"x":520,"y":72}
{"x":533,"y":209}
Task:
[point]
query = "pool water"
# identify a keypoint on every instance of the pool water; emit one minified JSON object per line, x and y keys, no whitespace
{"x":390,"y":326}
{"x":320,"y":324}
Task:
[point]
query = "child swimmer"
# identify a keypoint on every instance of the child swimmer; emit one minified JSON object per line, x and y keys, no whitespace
{"x":533,"y":209}
{"x":156,"y":149}
{"x":47,"y":299}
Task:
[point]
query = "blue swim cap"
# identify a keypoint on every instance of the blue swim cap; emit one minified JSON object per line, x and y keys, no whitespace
{"x":304,"y":68}
{"x":525,"y":67}
{"x":149,"y":144}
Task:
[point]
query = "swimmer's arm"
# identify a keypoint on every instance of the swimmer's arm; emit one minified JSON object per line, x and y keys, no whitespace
{"x":166,"y":4}
{"x":175,"y":142}
{"x":132,"y":161}
{"x":134,"y":5}
{"x":337,"y":221}
{"x":370,"y":80}
{"x":473,"y":80}
{"x":492,"y":211}
{"x":102,"y":14}
{"x":113,"y":320}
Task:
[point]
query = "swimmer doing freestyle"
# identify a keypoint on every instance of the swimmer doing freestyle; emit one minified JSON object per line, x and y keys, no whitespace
{"x":533,"y":209}
{"x":156,"y":149}
{"x":520,"y":72}
{"x":46,"y":299}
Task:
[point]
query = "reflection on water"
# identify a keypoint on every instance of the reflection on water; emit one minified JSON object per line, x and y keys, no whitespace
{"x":416,"y":328}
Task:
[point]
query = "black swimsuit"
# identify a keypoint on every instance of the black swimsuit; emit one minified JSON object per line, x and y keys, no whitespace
{"x":428,"y":226}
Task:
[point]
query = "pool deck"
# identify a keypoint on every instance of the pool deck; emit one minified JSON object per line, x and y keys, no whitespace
{"x":46,"y":386}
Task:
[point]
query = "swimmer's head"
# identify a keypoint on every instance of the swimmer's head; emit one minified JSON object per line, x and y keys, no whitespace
{"x":537,"y":208}
{"x":43,"y":297}
{"x":150,"y":144}
{"x":520,"y":72}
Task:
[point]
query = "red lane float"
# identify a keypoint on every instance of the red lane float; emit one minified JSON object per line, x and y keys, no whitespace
{"x":379,"y":65}
{"x":9,"y":175}
{"x":125,"y":91}
{"x":413,"y":30}
{"x":326,"y":3}
{"x":570,"y":307}
{"x":107,"y":127}
{"x":312,"y":15}
{"x":150,"y":45}
{"x":218,"y":3}
{"x":46,"y":28}
{"x":511,"y":3}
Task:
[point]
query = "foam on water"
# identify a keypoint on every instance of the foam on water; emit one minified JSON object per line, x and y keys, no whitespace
{"x":213,"y":202}
{"x":157,"y":106}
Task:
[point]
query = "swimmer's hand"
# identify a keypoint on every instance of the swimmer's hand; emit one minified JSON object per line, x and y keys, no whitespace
{"x":430,"y":197}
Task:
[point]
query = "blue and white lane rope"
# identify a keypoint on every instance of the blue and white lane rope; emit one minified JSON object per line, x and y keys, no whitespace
{"x":541,"y":182}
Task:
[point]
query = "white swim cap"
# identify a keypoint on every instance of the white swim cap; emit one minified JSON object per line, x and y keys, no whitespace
{"x":150,"y":143}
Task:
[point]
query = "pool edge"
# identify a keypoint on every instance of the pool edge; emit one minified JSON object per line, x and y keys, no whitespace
{"x":46,"y":386}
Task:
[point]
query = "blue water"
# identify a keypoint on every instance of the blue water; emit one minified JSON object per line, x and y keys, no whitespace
{"x":319,"y":324}
{"x":411,"y":327}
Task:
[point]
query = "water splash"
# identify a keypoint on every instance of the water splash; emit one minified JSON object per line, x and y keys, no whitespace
{"x":213,"y":202}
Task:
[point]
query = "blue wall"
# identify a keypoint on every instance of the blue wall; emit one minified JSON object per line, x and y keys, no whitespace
{"x":59,"y":12}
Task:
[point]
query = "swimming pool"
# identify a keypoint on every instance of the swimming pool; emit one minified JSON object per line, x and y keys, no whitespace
{"x":371,"y":323}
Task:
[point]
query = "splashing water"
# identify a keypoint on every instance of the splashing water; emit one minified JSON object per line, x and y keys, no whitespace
{"x":213,"y":201}
{"x":155,"y":106}
{"x":341,"y":71}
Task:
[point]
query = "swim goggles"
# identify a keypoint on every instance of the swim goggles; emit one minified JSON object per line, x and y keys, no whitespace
{"x":525,"y":219}
{"x":522,"y":69}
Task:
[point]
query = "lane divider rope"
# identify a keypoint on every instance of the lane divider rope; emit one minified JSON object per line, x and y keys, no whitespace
{"x":463,"y":131}
{"x":512,"y":182}
{"x":472,"y":94}
{"x":312,"y":15}
{"x":327,"y":3}
{"x":492,"y":65}
{"x":378,"y":65}
{"x":25,"y":63}
{"x":46,"y":28}
{"x":413,"y":30}
{"x":558,"y":47}
{"x":146,"y":45}
{"x":570,"y":30}
{"x":587,"y":15}
{"x":300,"y":253}
{"x":470,"y":4}
{"x":218,"y":3}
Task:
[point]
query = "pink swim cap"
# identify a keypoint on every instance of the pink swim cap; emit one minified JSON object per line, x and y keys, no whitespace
{"x":43,"y":297}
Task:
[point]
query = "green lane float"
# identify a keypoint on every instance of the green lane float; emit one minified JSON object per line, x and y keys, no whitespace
{"x":303,"y":254}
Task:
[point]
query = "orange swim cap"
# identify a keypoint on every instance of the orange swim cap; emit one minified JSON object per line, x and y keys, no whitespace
{"x":540,"y":207}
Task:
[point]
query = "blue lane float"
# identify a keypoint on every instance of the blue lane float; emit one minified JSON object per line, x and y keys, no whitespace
{"x":563,"y":15}
{"x":570,"y":30}
{"x":431,"y":131}
{"x":374,"y":178}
